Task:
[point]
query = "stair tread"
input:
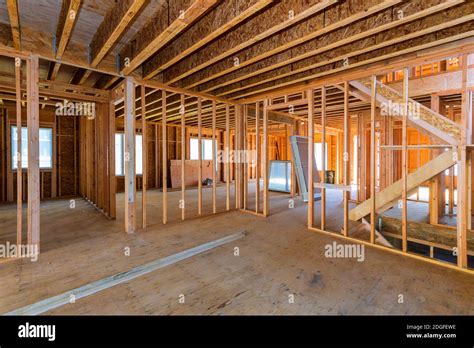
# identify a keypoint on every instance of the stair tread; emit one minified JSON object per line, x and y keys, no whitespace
{"x":427,"y":115}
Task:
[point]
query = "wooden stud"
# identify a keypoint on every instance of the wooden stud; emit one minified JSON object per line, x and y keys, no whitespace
{"x":144,"y":158}
{"x":112,"y":159}
{"x":265,"y":158}
{"x":214,"y":158}
{"x":129,"y":155}
{"x":183,"y":158}
{"x":372,"y":156}
{"x":227,"y":151}
{"x":405,"y":159}
{"x":19,"y":169}
{"x":199,"y":156}
{"x":346,"y":162}
{"x":164,"y":158}
{"x":244,"y":157}
{"x":462,"y":212}
{"x":310,"y":94}
{"x":33,"y":151}
{"x":323,"y":156}
{"x":257,"y":150}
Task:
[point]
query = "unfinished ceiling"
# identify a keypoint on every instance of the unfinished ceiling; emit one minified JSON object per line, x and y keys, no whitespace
{"x":234,"y":49}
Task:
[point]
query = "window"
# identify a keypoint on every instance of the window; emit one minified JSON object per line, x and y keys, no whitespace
{"x":45,"y":147}
{"x":206,"y":149}
{"x":119,"y":154}
{"x":318,"y":153}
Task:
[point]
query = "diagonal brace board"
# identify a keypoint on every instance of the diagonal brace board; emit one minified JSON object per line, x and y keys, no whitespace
{"x":386,"y":198}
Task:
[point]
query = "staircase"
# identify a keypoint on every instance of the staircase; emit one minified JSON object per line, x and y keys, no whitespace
{"x":427,"y":121}
{"x":420,"y":117}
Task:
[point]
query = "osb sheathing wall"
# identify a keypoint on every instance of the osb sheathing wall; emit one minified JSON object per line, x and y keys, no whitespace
{"x":96,"y":171}
{"x":60,"y":181}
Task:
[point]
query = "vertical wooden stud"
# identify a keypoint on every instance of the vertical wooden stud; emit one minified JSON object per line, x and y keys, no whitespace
{"x":164,"y":151}
{"x":310,"y":96}
{"x":199,"y":156}
{"x":345,"y":158}
{"x":144,"y":157}
{"x":129,"y":154}
{"x":183,"y":157}
{"x":265,"y":158}
{"x":214,"y":159}
{"x":405,"y":160}
{"x":323,"y":157}
{"x":33,"y":151}
{"x":372,"y":156}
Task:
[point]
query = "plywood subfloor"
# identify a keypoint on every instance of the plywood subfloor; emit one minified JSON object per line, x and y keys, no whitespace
{"x":278,"y":258}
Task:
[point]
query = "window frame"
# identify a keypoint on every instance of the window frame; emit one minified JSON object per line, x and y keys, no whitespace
{"x":25,"y":169}
{"x":123,"y":160}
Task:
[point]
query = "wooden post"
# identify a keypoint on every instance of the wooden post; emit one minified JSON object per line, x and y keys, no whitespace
{"x":265,"y":158}
{"x":214,"y":158}
{"x":112,"y":179}
{"x":183,"y":157}
{"x":144,"y":156}
{"x":19,"y":169}
{"x":164,"y":159}
{"x":323,"y":157}
{"x":345,"y":158}
{"x":244,"y":153}
{"x":199,"y":156}
{"x":227,"y":160}
{"x":462,"y":219}
{"x":129,"y":152}
{"x":372,"y":157}
{"x":33,"y":152}
{"x":405,"y":160}
{"x":257,"y":161}
{"x":310,"y":96}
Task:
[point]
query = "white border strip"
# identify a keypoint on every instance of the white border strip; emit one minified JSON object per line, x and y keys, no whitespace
{"x":119,"y":278}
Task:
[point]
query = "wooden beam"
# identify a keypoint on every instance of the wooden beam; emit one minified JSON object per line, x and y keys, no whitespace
{"x":115,"y":23}
{"x":164,"y":151}
{"x":14,"y":16}
{"x":129,"y":155}
{"x":33,"y":151}
{"x":19,"y":169}
{"x":144,"y":158}
{"x":254,"y":56}
{"x":435,"y":50}
{"x":144,"y":45}
{"x":229,"y":12}
{"x":265,"y":72}
{"x":67,"y":20}
{"x":245,"y":36}
{"x":310,"y":96}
